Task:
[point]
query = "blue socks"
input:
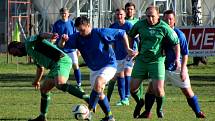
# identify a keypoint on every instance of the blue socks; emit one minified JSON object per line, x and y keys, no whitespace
{"x":193,"y":103}
{"x":94,"y":98}
{"x":104,"y":104}
{"x":127,"y":86}
{"x":121,"y":87}
{"x":77,"y":74}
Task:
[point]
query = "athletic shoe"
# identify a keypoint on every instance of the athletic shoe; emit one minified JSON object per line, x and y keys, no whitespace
{"x":160,"y":114}
{"x":138,"y":108}
{"x":122,"y":102}
{"x":200,"y":115}
{"x":108,"y":118}
{"x":89,"y":117}
{"x":39,"y":118}
{"x":145,"y":114}
{"x":80,"y":88}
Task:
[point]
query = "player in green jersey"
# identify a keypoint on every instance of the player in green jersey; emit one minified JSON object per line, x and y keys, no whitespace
{"x":47,"y":55}
{"x":150,"y":61}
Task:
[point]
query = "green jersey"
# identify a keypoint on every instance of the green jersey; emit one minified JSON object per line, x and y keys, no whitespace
{"x":151,"y":39}
{"x":44,"y":53}
{"x":132,"y":21}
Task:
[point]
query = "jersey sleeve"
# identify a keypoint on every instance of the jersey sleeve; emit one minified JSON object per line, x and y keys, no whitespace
{"x":171,"y":36}
{"x":111,"y":35}
{"x":134,"y":31}
{"x":183,"y":43}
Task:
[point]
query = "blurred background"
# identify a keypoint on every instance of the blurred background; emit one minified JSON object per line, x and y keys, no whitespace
{"x":38,"y":15}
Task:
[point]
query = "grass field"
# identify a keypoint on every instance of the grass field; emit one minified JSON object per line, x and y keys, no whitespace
{"x":19,"y":101}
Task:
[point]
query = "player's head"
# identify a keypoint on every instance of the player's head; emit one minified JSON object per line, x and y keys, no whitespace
{"x":82,"y":24}
{"x":17,"y":49}
{"x":169,"y":17}
{"x":64,"y":13}
{"x":120,"y":14}
{"x":152,"y":15}
{"x":130,"y":9}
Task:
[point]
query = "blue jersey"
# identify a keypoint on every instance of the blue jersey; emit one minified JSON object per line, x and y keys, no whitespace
{"x":170,"y":54}
{"x":92,"y":47}
{"x":119,"y":48}
{"x":64,"y":27}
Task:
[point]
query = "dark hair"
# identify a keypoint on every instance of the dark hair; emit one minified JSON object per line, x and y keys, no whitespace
{"x":18,"y":45}
{"x":169,"y":12}
{"x":128,"y":4}
{"x":82,"y":20}
{"x":62,"y":10}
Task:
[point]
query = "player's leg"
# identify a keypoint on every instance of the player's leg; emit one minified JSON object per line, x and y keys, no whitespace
{"x":77,"y":73}
{"x":110,"y":88}
{"x":139,"y":73}
{"x":121,"y":88}
{"x":98,"y":81}
{"x":61,"y":73}
{"x":45,"y":87}
{"x":185,"y":87}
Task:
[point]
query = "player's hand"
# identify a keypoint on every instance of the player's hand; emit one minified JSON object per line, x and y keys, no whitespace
{"x":132,"y":53}
{"x":36,"y":84}
{"x":178,"y":64}
{"x":183,"y":74}
{"x":64,"y":37}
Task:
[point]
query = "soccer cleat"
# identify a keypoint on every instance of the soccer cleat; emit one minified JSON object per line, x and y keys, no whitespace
{"x":80,"y":88}
{"x":200,"y":115}
{"x":89,"y":117}
{"x":160,"y":114}
{"x":145,"y":114}
{"x":108,"y":118}
{"x":39,"y":118}
{"x":122,"y":102}
{"x":138,"y":108}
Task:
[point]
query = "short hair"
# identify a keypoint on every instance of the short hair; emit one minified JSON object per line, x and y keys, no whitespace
{"x":128,"y":4}
{"x":152,"y":7}
{"x":169,"y":12}
{"x":119,"y":9}
{"x":18,"y":45}
{"x":64,"y":9}
{"x":82,"y":20}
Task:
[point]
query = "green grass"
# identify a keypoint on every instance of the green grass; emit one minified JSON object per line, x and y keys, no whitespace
{"x":20,"y":101}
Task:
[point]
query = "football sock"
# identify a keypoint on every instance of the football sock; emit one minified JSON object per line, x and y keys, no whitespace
{"x":94,"y":98}
{"x":104,"y":104}
{"x":110,"y":89}
{"x":136,"y":97}
{"x":44,"y":104}
{"x":193,"y":103}
{"x":77,"y":74}
{"x":149,"y":101}
{"x":160,"y":101}
{"x":73,"y":91}
{"x":127,"y":86}
{"x":121,"y":87}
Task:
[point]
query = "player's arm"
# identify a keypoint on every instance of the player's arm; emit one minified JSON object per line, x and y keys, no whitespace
{"x":184,"y":67}
{"x":177,"y":56}
{"x":63,"y":40}
{"x":39,"y":75}
{"x":130,"y":52}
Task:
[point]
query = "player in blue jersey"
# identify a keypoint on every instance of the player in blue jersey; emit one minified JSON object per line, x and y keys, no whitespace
{"x":178,"y":77}
{"x":94,"y":46}
{"x":124,"y":64}
{"x":49,"y":56}
{"x":66,"y":26}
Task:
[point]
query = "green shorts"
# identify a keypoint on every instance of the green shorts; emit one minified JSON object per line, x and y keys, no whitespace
{"x":145,"y":70}
{"x":61,"y":68}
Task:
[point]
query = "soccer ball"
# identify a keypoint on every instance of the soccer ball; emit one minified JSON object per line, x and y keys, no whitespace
{"x":80,"y":112}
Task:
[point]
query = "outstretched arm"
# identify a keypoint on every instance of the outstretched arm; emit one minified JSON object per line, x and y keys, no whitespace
{"x":39,"y":75}
{"x":130,"y":52}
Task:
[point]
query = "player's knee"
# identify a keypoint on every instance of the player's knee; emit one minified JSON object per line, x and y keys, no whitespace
{"x":62,"y":87}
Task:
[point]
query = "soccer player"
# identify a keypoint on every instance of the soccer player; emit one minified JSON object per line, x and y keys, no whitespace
{"x":94,"y":46}
{"x":66,"y":26}
{"x":124,"y":64}
{"x":179,"y":78}
{"x":130,"y":10}
{"x":150,"y":61}
{"x":49,"y":56}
